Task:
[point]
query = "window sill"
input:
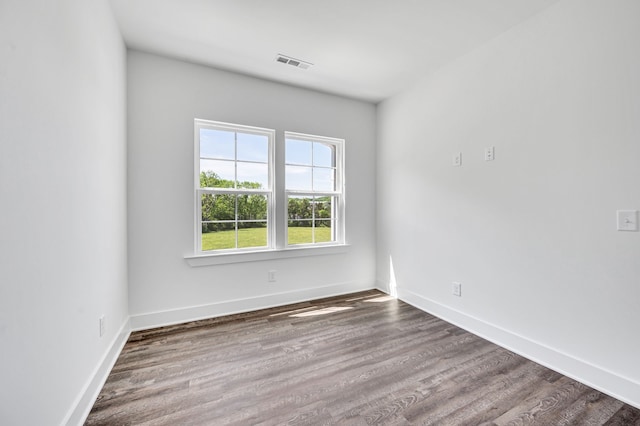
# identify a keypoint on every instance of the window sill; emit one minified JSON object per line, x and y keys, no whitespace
{"x":263,"y":255}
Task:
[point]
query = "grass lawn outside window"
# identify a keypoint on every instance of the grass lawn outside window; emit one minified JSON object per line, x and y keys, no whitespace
{"x":257,"y":237}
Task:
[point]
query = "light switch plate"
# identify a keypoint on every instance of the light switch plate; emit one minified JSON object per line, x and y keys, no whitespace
{"x":456,"y":289}
{"x":457,"y":159}
{"x":627,"y":220}
{"x":489,"y":153}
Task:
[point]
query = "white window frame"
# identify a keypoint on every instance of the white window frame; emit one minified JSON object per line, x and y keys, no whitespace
{"x":268,"y":192}
{"x":277,"y":201}
{"x":338,"y":206}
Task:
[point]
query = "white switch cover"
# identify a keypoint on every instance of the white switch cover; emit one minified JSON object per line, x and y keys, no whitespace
{"x":489,"y":153}
{"x":457,"y":159}
{"x":456,"y":289}
{"x":627,"y":220}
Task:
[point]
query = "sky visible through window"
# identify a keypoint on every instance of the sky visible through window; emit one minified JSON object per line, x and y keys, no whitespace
{"x":219,"y":152}
{"x":310,"y":166}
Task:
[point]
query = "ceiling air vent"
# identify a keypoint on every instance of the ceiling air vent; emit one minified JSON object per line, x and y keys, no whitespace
{"x":293,"y":61}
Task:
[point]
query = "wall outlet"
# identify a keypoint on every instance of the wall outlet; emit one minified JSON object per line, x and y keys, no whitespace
{"x":456,"y":289}
{"x":627,"y":220}
{"x":271,"y":276}
{"x":103,"y":325}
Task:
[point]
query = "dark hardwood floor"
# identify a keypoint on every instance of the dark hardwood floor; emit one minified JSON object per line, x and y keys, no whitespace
{"x":361,"y":359}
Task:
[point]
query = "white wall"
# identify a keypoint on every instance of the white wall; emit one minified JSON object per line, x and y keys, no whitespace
{"x":164,"y":97}
{"x":532,"y":235}
{"x":62,"y":205}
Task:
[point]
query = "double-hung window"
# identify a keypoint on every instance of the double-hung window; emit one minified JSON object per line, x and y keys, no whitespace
{"x":234,"y":188}
{"x":314,"y":189}
{"x":237,"y":197}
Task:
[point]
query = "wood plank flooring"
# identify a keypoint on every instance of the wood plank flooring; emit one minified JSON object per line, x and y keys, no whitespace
{"x":361,"y":359}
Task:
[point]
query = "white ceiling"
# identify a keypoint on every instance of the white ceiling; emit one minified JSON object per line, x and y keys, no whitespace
{"x":365,"y":49}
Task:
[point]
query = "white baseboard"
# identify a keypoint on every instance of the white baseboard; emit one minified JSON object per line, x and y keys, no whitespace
{"x":610,"y":383}
{"x":83,"y":404}
{"x":230,"y":307}
{"x":382,"y":286}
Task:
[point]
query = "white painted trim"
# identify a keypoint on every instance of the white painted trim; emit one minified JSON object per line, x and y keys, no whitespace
{"x":87,"y":397}
{"x":230,"y":307}
{"x":599,"y":378}
{"x":262,"y":255}
{"x":380,"y":285}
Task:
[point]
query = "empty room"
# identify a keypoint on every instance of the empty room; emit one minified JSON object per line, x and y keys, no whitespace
{"x":338,"y":212}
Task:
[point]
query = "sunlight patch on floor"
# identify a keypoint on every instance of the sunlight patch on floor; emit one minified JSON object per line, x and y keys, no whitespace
{"x":324,"y":311}
{"x":380,"y":299}
{"x":307,"y":308}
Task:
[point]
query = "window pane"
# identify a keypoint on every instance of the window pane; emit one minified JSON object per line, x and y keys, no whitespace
{"x":322,"y":206}
{"x":217,"y":144}
{"x":253,"y":175}
{"x":219,"y":240}
{"x":298,"y":152}
{"x":216,"y":234}
{"x":217,"y":174}
{"x":252,"y":207}
{"x":217,"y":208}
{"x":323,"y":231}
{"x":298,"y":177}
{"x":300,"y":232}
{"x":323,"y":155}
{"x":252,"y":235}
{"x":323,"y":179}
{"x":300,"y":208}
{"x":253,"y":147}
{"x":300,"y":215}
